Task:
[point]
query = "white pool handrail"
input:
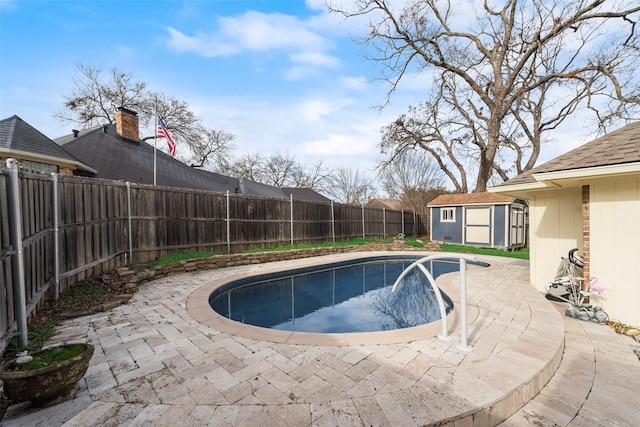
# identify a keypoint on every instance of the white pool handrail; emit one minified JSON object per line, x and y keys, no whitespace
{"x":463,"y":258}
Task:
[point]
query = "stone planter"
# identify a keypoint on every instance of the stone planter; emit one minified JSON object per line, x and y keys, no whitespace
{"x":44,"y":385}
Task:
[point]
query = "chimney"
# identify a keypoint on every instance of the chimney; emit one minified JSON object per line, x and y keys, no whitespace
{"x":127,"y":124}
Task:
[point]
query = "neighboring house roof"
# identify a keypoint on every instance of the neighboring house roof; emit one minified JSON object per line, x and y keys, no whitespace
{"x":470,"y":199}
{"x":105,"y":154}
{"x":117,"y":158}
{"x":618,"y":148}
{"x":392,"y":204}
{"x":256,"y":188}
{"x":21,"y":140}
{"x":305,"y":194}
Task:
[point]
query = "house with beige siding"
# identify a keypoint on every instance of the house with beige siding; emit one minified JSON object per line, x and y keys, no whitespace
{"x":589,"y":198}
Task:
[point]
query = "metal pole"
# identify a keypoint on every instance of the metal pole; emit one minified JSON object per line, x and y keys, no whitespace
{"x":56,"y":241}
{"x":128,"y":185}
{"x":464,"y":346}
{"x":20,"y":303}
{"x":291,"y":204}
{"x":228,"y":220}
{"x":155,"y":155}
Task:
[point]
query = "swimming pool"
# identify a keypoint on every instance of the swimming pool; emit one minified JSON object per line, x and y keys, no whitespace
{"x":343,"y":297}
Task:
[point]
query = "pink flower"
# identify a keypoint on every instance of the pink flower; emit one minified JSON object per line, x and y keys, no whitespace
{"x":593,"y":286}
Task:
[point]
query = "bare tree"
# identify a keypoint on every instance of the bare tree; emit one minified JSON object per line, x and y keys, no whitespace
{"x":248,"y":166}
{"x":315,"y":177}
{"x":279,"y":170}
{"x":412,"y":178}
{"x":96,"y":98}
{"x":496,"y":73}
{"x":350,"y":186}
{"x":211,"y":149}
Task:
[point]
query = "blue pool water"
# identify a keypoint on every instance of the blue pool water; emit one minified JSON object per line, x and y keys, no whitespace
{"x":351,"y":296}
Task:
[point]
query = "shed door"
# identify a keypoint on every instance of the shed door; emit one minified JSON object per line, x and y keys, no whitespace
{"x":478,"y":226}
{"x":517,"y":226}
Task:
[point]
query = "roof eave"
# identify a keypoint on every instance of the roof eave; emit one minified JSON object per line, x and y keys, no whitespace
{"x":49,"y":159}
{"x":520,"y":191}
{"x":565,"y":179}
{"x":592,"y":172}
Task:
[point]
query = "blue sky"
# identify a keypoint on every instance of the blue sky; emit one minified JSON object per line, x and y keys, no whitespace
{"x":283,"y":76}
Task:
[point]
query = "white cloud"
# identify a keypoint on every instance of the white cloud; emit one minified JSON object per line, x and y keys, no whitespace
{"x":339,"y":146}
{"x":315,"y":58}
{"x":252,"y":31}
{"x":200,"y":44}
{"x":357,"y":83}
{"x":317,"y":109}
{"x":308,"y":65}
{"x":9,"y":5}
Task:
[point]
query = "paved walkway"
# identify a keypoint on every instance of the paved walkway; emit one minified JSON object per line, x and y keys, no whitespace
{"x":154,"y":364}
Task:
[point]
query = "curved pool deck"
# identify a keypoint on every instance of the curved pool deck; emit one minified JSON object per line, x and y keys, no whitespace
{"x":160,"y":360}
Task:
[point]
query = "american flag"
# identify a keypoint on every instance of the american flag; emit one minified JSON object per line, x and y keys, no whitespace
{"x":164,"y":133}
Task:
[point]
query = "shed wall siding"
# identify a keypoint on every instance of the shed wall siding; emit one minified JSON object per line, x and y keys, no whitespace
{"x":448,"y":232}
{"x":555,"y":221}
{"x":615,"y":246}
{"x":500,"y":226}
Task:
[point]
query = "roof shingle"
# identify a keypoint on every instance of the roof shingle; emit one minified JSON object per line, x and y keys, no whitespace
{"x":18,"y":135}
{"x":618,"y":147}
{"x":471,"y":198}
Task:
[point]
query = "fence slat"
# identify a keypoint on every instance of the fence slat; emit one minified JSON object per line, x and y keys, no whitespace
{"x":93,"y":234}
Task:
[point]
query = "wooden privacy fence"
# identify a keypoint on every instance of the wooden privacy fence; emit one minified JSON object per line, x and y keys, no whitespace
{"x":71,"y":228}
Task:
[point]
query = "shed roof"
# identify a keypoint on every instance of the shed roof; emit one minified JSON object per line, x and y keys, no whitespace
{"x":469,"y":199}
{"x":619,"y":147}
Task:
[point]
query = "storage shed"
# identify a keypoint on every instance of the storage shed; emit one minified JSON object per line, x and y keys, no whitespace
{"x":478,"y":219}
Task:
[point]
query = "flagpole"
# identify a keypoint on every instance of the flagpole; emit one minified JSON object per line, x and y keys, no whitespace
{"x":155,"y":137}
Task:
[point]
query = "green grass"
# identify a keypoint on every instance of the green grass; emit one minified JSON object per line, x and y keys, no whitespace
{"x":38,"y":332}
{"x":353,"y":242}
{"x":445,"y":247}
{"x":180,"y":256}
{"x":413,"y":242}
{"x":520,"y":254}
{"x":410,"y":241}
{"x":50,"y":357}
{"x":85,"y":292}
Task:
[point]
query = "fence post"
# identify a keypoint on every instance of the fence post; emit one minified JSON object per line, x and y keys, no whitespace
{"x":402,"y":221}
{"x":228,"y":221}
{"x":15,"y":221}
{"x":291,"y":205}
{"x":129,"y":226}
{"x":333,"y":224}
{"x":384,"y":223}
{"x":56,"y":241}
{"x":363,"y":231}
